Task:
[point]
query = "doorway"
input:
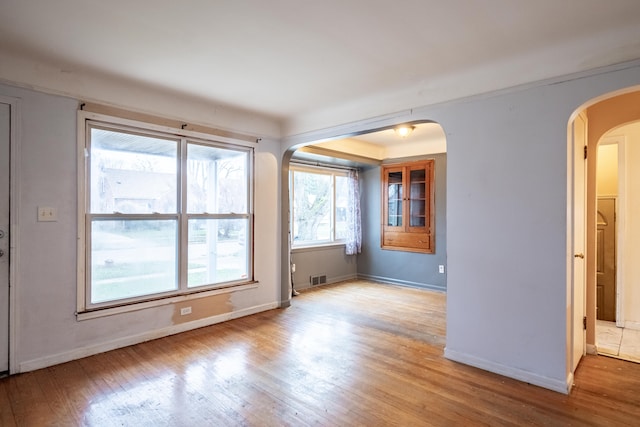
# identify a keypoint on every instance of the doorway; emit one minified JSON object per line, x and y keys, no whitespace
{"x":366,"y":151}
{"x":5,"y":162}
{"x":618,"y":320}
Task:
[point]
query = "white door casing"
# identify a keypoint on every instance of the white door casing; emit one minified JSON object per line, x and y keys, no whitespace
{"x":5,"y":140}
{"x":621,"y":237}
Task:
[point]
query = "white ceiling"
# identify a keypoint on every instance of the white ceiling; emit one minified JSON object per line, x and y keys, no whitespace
{"x":426,"y":138}
{"x":388,"y":137}
{"x":314,"y":63}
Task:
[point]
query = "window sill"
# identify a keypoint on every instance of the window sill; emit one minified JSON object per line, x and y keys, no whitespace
{"x":319,"y":247}
{"x":110,"y":311}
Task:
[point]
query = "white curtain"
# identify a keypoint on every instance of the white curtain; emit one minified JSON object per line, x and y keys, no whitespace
{"x":354,"y":229}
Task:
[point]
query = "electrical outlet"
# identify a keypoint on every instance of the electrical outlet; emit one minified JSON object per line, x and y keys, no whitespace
{"x":185,"y":310}
{"x":293,"y":268}
{"x":46,"y":214}
{"x":441,"y":269}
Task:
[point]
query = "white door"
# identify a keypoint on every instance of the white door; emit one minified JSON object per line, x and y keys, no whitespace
{"x":579,"y":233}
{"x":5,"y":137}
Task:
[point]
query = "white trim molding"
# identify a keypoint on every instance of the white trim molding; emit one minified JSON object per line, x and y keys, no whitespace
{"x":14,"y":203}
{"x":621,"y":229}
{"x":43,"y":362}
{"x":511,"y":372}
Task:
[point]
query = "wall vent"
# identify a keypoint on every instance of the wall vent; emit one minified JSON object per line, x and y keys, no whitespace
{"x":318,"y":280}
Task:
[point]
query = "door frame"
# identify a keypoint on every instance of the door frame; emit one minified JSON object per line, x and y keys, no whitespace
{"x":14,"y":135}
{"x":621,"y":209}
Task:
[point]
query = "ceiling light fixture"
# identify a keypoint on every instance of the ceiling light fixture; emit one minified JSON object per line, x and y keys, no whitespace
{"x":403,"y":130}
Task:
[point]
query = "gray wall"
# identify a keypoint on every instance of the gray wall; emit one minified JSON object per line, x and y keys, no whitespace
{"x":405,"y":268}
{"x":328,"y":260}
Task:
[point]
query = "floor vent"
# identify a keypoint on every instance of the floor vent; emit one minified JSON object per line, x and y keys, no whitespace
{"x":318,"y":280}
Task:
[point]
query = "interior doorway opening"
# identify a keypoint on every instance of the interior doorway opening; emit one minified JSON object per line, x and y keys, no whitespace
{"x":610,"y":219}
{"x":617,"y":285}
{"x":309,"y":265}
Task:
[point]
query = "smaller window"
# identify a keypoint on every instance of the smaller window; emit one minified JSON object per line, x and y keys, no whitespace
{"x":319,"y":205}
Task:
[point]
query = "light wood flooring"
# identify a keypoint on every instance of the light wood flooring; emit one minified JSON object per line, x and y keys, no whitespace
{"x":355,"y":353}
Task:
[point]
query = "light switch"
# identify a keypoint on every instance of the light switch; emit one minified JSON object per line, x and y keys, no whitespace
{"x":47,"y":214}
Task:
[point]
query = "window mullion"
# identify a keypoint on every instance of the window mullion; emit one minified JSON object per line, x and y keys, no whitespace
{"x":332,"y":221}
{"x":117,"y":216}
{"x":183,"y":217}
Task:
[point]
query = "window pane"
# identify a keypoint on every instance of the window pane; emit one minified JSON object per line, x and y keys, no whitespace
{"x":217,"y":251}
{"x":132,"y":173}
{"x":342,"y":204}
{"x":217,"y":180}
{"x":131,"y":258}
{"x":311,"y":207}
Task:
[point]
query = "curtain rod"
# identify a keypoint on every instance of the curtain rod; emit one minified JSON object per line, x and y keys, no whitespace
{"x":322,"y":165}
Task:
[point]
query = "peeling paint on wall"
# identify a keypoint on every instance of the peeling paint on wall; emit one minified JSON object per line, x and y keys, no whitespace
{"x":202,"y":308}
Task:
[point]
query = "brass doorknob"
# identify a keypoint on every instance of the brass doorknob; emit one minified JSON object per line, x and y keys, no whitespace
{"x":579,"y":256}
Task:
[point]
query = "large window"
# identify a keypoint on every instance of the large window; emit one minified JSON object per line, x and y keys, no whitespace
{"x":320,"y":199}
{"x":165,"y":215}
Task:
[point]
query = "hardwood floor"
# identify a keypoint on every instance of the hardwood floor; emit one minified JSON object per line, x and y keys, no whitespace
{"x":355,"y":353}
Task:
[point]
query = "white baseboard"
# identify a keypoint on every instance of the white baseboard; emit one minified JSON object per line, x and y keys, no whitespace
{"x":628,"y":324}
{"x":570,"y":378}
{"x":592,"y":349}
{"x":79,"y":353}
{"x":508,"y":371}
{"x":407,"y":283}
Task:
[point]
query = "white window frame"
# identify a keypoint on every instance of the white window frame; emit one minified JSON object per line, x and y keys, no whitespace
{"x":86,"y":310}
{"x":319,"y":170}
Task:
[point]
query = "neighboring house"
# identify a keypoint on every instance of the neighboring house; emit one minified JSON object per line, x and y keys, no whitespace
{"x":130,"y":191}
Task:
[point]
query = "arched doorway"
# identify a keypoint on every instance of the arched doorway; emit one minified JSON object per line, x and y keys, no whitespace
{"x":602,"y":115}
{"x":366,"y":150}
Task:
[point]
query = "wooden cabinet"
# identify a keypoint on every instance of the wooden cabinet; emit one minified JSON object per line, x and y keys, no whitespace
{"x":408,"y":207}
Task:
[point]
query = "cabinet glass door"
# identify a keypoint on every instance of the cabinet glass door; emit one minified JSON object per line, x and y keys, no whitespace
{"x":417,"y":198}
{"x":394,"y":199}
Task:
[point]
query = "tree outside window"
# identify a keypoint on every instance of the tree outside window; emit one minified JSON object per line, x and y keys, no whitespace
{"x":319,"y":204}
